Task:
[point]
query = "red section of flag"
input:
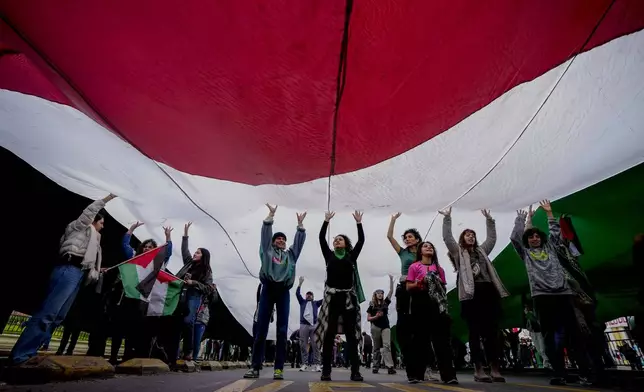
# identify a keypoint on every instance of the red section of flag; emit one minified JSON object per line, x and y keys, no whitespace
{"x":566,"y":230}
{"x":245,"y":76}
{"x":165,"y":277}
{"x":144,"y":259}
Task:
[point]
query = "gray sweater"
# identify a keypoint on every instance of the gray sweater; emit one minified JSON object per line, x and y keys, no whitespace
{"x":545,"y":273}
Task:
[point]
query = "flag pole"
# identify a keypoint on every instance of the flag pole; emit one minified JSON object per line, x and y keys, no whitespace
{"x":128,"y":260}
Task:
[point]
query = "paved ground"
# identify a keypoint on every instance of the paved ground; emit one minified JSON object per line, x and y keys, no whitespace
{"x":231,"y":381}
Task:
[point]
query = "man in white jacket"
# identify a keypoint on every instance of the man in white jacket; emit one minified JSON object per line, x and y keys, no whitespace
{"x":80,"y":258}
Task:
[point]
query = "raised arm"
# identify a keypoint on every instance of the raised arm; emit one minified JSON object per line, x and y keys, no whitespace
{"x":528,"y":223}
{"x":300,"y":237}
{"x":516,"y":237}
{"x":89,"y":213}
{"x":324,"y":245}
{"x":391,"y":287}
{"x":298,"y":291}
{"x":358,"y":247}
{"x":127,"y":237}
{"x":168,"y":242}
{"x":490,"y":237}
{"x":267,"y":229}
{"x":448,"y":237}
{"x":555,"y":237}
{"x":185,"y":251}
{"x":390,"y":233}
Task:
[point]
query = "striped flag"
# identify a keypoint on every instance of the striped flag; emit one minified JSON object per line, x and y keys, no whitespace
{"x":144,"y":279}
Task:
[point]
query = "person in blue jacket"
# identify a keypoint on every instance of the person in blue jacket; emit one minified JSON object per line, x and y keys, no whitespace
{"x":277,"y":274}
{"x":127,"y":308}
{"x":308,"y":318}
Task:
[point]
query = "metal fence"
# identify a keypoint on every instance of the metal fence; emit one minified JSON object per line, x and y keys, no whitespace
{"x":16,"y":325}
{"x":617,"y":337}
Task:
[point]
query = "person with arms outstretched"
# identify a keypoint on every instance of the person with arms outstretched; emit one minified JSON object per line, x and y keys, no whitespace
{"x":308,"y":319}
{"x":407,"y":255}
{"x":342,"y":297}
{"x":79,"y":259}
{"x":480,"y":291}
{"x":551,"y":290}
{"x":277,"y":275}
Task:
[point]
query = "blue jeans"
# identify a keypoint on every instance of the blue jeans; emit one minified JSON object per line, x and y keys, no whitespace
{"x":199,"y":330}
{"x":64,"y":283}
{"x":194,"y":301}
{"x":279,"y":296}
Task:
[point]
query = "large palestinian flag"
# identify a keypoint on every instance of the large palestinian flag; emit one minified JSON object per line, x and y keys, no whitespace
{"x":204,"y":111}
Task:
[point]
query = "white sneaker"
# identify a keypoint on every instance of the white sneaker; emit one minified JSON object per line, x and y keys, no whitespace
{"x":318,"y":368}
{"x":304,"y":368}
{"x":429,"y":376}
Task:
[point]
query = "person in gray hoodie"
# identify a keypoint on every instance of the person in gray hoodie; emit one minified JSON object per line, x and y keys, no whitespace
{"x":551,"y":291}
{"x":277,"y":274}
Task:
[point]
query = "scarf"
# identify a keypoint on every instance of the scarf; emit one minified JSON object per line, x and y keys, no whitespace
{"x":92,"y":258}
{"x":466,"y":275}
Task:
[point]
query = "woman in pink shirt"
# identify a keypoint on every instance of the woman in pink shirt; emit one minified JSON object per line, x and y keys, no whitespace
{"x":430,"y":320}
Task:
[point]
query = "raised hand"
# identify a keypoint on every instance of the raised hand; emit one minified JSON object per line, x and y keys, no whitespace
{"x":271,"y":209}
{"x":357,"y":215}
{"x":134,"y":226}
{"x":545,"y":204}
{"x":300,"y":218}
{"x":446,"y":212}
{"x":391,"y":278}
{"x":168,"y":232}
{"x":486,"y":214}
{"x":328,"y":216}
{"x":396,"y":216}
{"x":186,"y":227}
{"x":109,"y":197}
{"x":522,"y":214}
{"x":301,"y":280}
{"x":530,"y":212}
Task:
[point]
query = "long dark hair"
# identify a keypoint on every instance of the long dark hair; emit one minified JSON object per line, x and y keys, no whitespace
{"x":201,"y":269}
{"x":461,"y":239}
{"x":419,"y":253}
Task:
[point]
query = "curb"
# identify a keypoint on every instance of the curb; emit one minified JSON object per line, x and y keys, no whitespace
{"x":44,"y":369}
{"x":142,"y":366}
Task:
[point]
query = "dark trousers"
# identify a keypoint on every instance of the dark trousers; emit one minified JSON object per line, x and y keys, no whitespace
{"x":336,"y":308}
{"x":72,"y":332}
{"x":278,"y":296}
{"x":429,"y":328}
{"x":481,"y":314}
{"x":556,"y":316}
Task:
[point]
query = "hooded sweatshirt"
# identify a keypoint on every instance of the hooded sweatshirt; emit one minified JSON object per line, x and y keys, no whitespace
{"x":545,"y":273}
{"x":278,"y":266}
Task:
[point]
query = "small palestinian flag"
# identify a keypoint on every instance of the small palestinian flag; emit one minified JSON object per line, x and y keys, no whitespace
{"x":143,"y":279}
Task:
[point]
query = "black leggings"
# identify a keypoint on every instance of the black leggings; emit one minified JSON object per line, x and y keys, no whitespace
{"x":482,"y":314}
{"x":429,"y":328}
{"x":336,"y":308}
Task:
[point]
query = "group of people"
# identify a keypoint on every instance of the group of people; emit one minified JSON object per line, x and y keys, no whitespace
{"x":424,"y":324}
{"x":423,"y":319}
{"x":339,"y":309}
{"x":79,"y":266}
